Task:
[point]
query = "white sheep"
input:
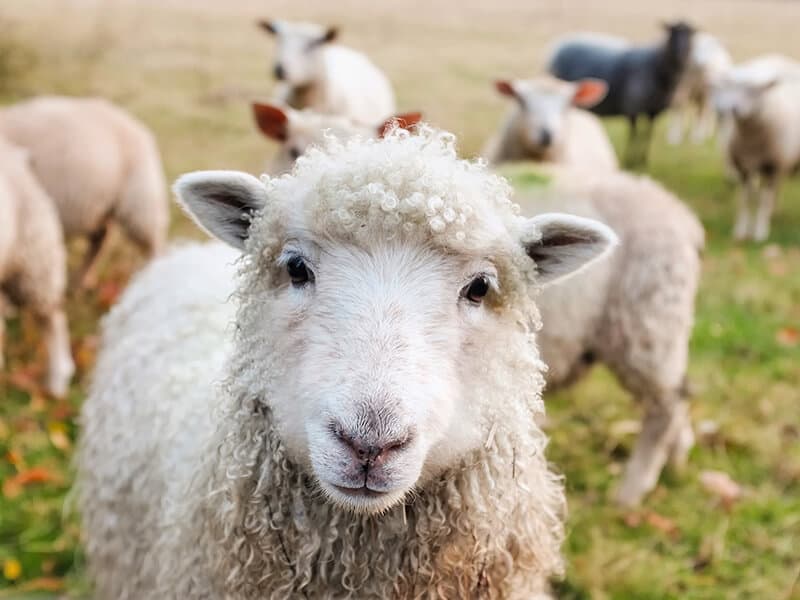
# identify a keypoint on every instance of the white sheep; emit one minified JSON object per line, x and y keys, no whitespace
{"x":298,"y":130}
{"x":374,"y":434}
{"x":709,"y":61}
{"x":33,"y":261}
{"x":546,"y":126}
{"x":762,"y":99}
{"x":313,"y":72}
{"x":98,"y":164}
{"x":633,"y":312}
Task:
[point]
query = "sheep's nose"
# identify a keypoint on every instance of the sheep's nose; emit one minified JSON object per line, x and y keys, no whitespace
{"x":372,"y":452}
{"x":546,"y":137}
{"x":279,"y":73}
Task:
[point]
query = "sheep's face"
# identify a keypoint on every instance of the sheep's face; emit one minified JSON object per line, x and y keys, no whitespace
{"x":543,"y":104}
{"x":380,"y":318}
{"x":679,"y":42}
{"x":298,"y":50}
{"x":741,"y":99}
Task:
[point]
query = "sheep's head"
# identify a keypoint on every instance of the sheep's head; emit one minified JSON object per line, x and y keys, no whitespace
{"x":543,"y":103}
{"x":679,"y":42}
{"x":298,"y":130}
{"x":298,"y":47}
{"x":739,"y":94}
{"x":386,"y":305}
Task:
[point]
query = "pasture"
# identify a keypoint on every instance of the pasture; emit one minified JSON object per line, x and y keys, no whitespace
{"x":188,"y":69}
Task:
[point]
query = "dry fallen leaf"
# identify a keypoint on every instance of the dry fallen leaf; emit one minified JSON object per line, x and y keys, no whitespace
{"x":12,"y":487}
{"x":663,"y":524}
{"x":108,"y":293}
{"x":788,"y":337}
{"x":58,"y":435}
{"x":42,"y":584}
{"x":722,"y":486}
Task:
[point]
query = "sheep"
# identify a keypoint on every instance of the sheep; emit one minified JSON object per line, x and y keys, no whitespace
{"x":544,"y":126}
{"x":297,"y":130}
{"x":315,"y":73}
{"x":708,"y":63}
{"x":639,"y":320}
{"x":641,"y":80}
{"x":762,"y":99}
{"x":99,"y":165}
{"x":374,"y":434}
{"x":33,"y":261}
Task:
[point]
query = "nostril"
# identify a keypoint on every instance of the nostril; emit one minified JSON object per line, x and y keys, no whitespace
{"x":279,"y":73}
{"x":369,"y":451}
{"x":546,"y":137}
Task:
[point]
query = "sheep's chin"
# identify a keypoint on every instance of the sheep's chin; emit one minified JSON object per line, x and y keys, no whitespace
{"x":363,"y":502}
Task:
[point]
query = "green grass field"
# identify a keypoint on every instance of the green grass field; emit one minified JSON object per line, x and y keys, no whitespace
{"x":188,"y":69}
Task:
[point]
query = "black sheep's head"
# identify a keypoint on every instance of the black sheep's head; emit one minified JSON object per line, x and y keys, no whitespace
{"x":679,"y":41}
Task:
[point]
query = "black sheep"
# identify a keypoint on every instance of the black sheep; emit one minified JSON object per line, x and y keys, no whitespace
{"x":641,"y":80}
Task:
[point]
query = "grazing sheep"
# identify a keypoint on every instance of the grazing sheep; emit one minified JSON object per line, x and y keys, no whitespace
{"x":296,"y":131}
{"x":762,"y":99}
{"x":98,"y":164}
{"x":374,"y":434}
{"x":641,"y":80}
{"x":545,"y":127}
{"x":33,"y":261}
{"x":708,"y":63}
{"x":315,"y":73}
{"x":639,"y":318}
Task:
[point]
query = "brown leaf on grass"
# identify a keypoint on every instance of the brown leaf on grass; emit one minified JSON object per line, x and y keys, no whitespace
{"x":84,"y":353}
{"x":25,"y":380}
{"x":788,"y":337}
{"x":663,"y":524}
{"x":13,"y":486}
{"x":42,"y":584}
{"x":58,"y":435}
{"x":722,"y":486}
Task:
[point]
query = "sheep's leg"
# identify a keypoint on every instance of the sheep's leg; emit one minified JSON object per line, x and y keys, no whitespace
{"x":705,"y":121}
{"x":646,"y":138}
{"x":746,"y":192}
{"x":766,"y":204}
{"x":663,"y":422}
{"x":60,"y":364}
{"x":677,"y":125}
{"x":87,"y":275}
{"x":630,"y":150}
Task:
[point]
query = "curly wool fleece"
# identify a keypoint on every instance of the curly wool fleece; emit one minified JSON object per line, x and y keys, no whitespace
{"x":251,"y":523}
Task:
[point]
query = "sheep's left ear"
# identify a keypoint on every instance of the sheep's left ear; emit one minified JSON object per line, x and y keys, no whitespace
{"x":562,"y":244}
{"x":589,"y":92}
{"x":222,"y":203}
{"x":405,"y":121}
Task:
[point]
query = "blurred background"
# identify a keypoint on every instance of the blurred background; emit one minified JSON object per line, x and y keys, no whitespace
{"x":189,"y":69}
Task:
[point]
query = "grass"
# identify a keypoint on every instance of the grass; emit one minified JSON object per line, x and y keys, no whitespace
{"x":188,"y":69}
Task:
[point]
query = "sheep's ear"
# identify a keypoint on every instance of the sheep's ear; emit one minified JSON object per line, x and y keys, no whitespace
{"x":272,"y":121}
{"x":331,"y":34}
{"x":268,"y":26}
{"x":562,"y":244}
{"x":506,"y":88}
{"x":222,"y":203}
{"x":589,"y":92}
{"x":404,"y":121}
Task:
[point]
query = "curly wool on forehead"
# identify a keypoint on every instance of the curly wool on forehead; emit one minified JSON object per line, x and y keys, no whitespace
{"x":409,"y":185}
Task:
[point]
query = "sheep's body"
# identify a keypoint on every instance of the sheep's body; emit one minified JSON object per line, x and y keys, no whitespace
{"x":639,"y":319}
{"x":693,"y":99}
{"x":97,"y":163}
{"x":326,"y":77}
{"x":763,"y":146}
{"x":641,"y":80}
{"x":33,"y":260}
{"x":180,"y":504}
{"x":583,"y":142}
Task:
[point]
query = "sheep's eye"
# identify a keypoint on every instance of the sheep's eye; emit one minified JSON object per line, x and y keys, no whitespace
{"x":298,"y":271}
{"x":294,"y":153}
{"x":477,"y":289}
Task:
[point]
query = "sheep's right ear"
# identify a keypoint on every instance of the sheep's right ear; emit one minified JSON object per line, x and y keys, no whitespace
{"x":562,"y":244}
{"x":222,"y":203}
{"x":268,"y":26}
{"x":272,"y":121}
{"x":589,"y":92}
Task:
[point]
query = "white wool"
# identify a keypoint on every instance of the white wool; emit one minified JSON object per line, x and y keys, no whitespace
{"x":205,"y":459}
{"x":640,"y":316}
{"x":33,"y":260}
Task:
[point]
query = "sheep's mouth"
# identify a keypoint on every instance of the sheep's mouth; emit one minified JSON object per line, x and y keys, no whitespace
{"x":360,"y":492}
